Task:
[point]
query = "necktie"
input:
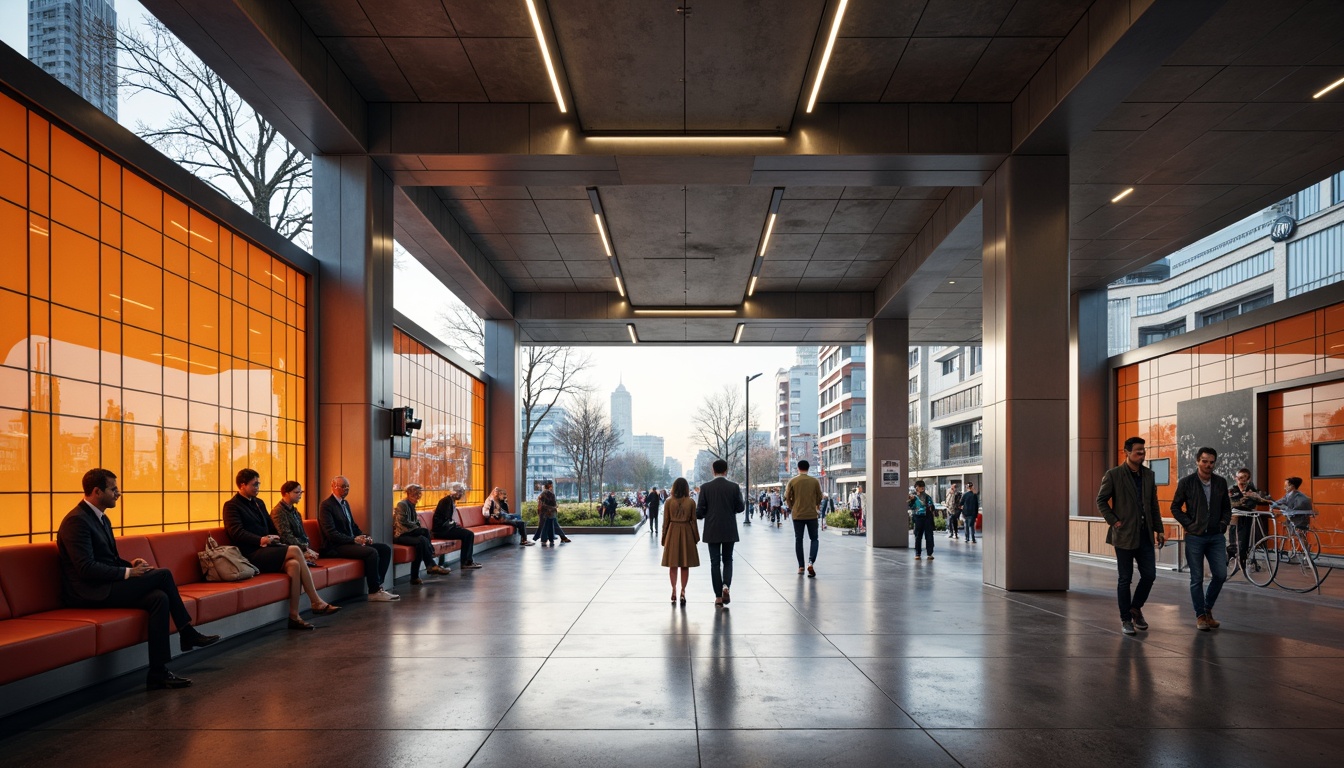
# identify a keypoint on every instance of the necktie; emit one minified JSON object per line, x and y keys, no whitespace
{"x":349,"y":520}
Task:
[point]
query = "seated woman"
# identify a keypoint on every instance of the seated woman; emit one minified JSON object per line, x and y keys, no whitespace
{"x":497,"y":511}
{"x":289,"y":522}
{"x":255,"y":535}
{"x":408,"y":532}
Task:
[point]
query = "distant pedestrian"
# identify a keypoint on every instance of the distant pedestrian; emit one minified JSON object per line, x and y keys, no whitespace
{"x":609,"y":509}
{"x":775,"y":503}
{"x":970,"y":510}
{"x":654,"y":501}
{"x":856,"y":503}
{"x":680,"y":537}
{"x":720,"y":502}
{"x":1128,"y":501}
{"x":1202,"y":507}
{"x":826,"y":508}
{"x":952,"y":507}
{"x":803,"y":493}
{"x":921,"y":509}
{"x":547,"y":510}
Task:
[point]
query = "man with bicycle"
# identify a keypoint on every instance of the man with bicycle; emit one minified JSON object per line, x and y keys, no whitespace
{"x":1245,"y":497}
{"x":1203,"y":508}
{"x":1128,"y":501}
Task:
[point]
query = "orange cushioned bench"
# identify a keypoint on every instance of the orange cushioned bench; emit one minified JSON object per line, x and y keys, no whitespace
{"x":38,"y":634}
{"x":472,"y":518}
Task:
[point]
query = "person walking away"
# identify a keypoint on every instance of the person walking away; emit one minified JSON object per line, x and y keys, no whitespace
{"x":547,"y":510}
{"x":1128,"y":501}
{"x":921,"y":509}
{"x":856,"y":508}
{"x":680,"y":537}
{"x":826,"y":508}
{"x":776,"y":501}
{"x":970,"y":510}
{"x":1203,"y":508}
{"x":720,"y":503}
{"x":654,"y":501}
{"x":803,"y":494}
{"x":952,"y":504}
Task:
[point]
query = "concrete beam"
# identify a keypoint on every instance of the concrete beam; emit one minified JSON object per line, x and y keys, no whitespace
{"x":597,"y":305}
{"x":426,"y":229}
{"x":953,"y":232}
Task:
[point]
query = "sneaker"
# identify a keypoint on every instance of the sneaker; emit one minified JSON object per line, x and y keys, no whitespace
{"x":1202,"y":623}
{"x":1127,"y":627}
{"x":1212,"y":621}
{"x":469,"y":566}
{"x":526,"y":543}
{"x":930,"y":555}
{"x":919,"y":557}
{"x":383,"y":596}
{"x":1137,"y":616}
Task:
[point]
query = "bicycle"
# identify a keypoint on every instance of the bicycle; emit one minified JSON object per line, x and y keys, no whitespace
{"x":1292,"y":555}
{"x":1259,"y":568}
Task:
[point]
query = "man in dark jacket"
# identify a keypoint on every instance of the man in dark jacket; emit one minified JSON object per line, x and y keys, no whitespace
{"x":446,"y":526}
{"x":719,"y":504}
{"x":1128,"y":501}
{"x":1202,"y":507}
{"x":970,"y":510}
{"x":654,"y":501}
{"x":341,"y":537}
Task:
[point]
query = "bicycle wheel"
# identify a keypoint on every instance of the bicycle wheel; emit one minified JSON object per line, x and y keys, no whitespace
{"x":1311,"y":540}
{"x":1296,"y":570}
{"x":1261,"y":563}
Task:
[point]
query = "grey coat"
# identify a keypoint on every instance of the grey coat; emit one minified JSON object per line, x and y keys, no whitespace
{"x":1115,"y":501}
{"x":720,"y":501}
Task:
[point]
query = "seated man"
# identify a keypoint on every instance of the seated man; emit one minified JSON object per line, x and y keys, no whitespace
{"x":497,"y":511}
{"x":445,"y":526}
{"x":93,"y":575}
{"x":341,"y":537}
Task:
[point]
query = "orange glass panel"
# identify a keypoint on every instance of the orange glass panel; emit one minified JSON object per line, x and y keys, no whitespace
{"x":141,"y":240}
{"x":142,"y":294}
{"x":13,"y":389}
{"x":39,"y":256}
{"x":175,"y":301}
{"x":14,"y":229}
{"x":175,"y":219}
{"x":175,"y":257}
{"x":14,"y":446}
{"x":111,"y":182}
{"x":39,"y":446}
{"x":174,"y":367}
{"x":204,"y":317}
{"x":142,"y":407}
{"x":14,"y":520}
{"x":74,"y":259}
{"x":1295,"y":328}
{"x":13,"y":127}
{"x":141,"y":512}
{"x":110,"y":338}
{"x":204,"y":234}
{"x":75,"y":342}
{"x":76,"y":446}
{"x":142,"y":200}
{"x":13,"y":179}
{"x":74,"y":162}
{"x":203,"y":271}
{"x":259,"y":298}
{"x":142,"y":361}
{"x":39,"y":192}
{"x":110,"y":227}
{"x":39,"y":141}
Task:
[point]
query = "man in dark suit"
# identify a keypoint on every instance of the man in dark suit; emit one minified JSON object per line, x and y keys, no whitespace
{"x":341,"y":537}
{"x":720,"y":502}
{"x":1128,"y":502}
{"x":654,"y":501}
{"x":93,"y":575}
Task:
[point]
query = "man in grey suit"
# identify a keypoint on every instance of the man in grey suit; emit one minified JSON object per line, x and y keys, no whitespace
{"x":720,"y":502}
{"x":1128,"y":501}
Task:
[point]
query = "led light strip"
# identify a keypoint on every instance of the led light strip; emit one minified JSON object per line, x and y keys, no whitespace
{"x":546,"y":55}
{"x":826,"y":56}
{"x":1122,"y":195}
{"x":776,"y":197}
{"x":630,"y":327}
{"x":737,"y":335}
{"x":596,"y":201}
{"x":686,"y":312}
{"x":1328,"y":88}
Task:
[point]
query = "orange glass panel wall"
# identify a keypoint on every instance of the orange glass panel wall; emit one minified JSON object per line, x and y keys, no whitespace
{"x":1282,"y":352}
{"x":136,"y":334}
{"x":450,"y":445}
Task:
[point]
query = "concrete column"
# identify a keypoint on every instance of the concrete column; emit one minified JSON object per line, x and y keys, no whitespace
{"x":1091,"y":450}
{"x":503,"y":407}
{"x":1026,"y":383}
{"x":888,"y":349}
{"x":352,"y":241}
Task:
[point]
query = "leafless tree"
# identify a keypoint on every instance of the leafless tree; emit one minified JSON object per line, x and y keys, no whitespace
{"x":921,"y":446}
{"x":633,"y":469}
{"x":588,"y":439}
{"x":464,"y":331}
{"x":213,"y":133}
{"x":718,"y":424}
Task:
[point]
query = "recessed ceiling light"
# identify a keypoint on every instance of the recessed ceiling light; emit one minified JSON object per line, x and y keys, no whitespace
{"x":1328,"y":88}
{"x":1122,"y":195}
{"x":688,"y":312}
{"x":630,"y":328}
{"x":620,"y":286}
{"x":751,"y":287}
{"x":769,"y":227}
{"x":546,"y":55}
{"x":826,"y":56}
{"x":951,"y":282}
{"x":737,"y":335}
{"x":679,"y":137}
{"x":602,"y":231}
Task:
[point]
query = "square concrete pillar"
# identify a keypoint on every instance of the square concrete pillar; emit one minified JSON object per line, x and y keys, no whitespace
{"x":352,"y":241}
{"x":1025,"y":488}
{"x":1091,"y":451}
{"x":888,"y":353}
{"x":503,"y":407}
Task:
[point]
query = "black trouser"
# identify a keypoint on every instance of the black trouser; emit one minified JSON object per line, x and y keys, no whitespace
{"x":952,"y":527}
{"x":377,"y":558}
{"x":419,"y":541}
{"x":519,"y":527}
{"x":155,"y":593}
{"x":923,"y":534}
{"x":721,"y":551}
{"x":653,"y":522}
{"x":1125,"y":559}
{"x":811,"y":527}
{"x":970,"y":525}
{"x":1243,"y":525}
{"x":463,"y":535}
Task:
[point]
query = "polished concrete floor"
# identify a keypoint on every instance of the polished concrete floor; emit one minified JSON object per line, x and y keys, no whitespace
{"x":573,"y":656}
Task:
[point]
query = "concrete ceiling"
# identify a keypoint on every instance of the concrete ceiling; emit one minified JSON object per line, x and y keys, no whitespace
{"x":1204,"y":106}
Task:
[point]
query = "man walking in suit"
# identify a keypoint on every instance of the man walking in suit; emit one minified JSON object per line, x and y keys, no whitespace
{"x":720,"y":501}
{"x":93,"y":575}
{"x":341,"y":537}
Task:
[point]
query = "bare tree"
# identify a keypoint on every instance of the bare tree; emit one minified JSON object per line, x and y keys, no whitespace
{"x":588,"y":439}
{"x":921,"y":444}
{"x":213,"y":133}
{"x":718,"y":424}
{"x":464,"y":331}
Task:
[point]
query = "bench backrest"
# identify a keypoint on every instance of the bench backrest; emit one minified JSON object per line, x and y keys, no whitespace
{"x":177,"y":551}
{"x":471,"y":517}
{"x":30,"y":575}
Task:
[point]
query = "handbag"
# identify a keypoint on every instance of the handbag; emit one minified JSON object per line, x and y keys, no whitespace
{"x":225,"y":563}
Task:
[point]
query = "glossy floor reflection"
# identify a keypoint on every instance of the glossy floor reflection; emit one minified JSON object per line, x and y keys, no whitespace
{"x":574,"y":656}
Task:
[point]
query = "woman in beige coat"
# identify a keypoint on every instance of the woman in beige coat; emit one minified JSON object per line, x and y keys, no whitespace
{"x":680,"y":537}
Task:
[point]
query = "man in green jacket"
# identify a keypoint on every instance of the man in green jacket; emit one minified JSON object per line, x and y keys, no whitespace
{"x":1128,"y":501}
{"x":803,"y":494}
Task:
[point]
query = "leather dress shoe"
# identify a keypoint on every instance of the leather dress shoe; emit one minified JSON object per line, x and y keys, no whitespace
{"x":196,"y":640}
{"x":165,"y":679}
{"x":301,"y":624}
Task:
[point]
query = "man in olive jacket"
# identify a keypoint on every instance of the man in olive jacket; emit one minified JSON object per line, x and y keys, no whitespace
{"x":1202,"y":507}
{"x":1128,"y":501}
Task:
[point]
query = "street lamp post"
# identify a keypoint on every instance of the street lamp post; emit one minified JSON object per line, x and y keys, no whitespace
{"x":746,"y":437}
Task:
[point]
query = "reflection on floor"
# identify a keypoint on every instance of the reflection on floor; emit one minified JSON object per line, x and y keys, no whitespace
{"x":574,"y":656}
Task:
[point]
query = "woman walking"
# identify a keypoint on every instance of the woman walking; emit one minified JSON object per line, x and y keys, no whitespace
{"x":680,"y":537}
{"x":546,"y":512}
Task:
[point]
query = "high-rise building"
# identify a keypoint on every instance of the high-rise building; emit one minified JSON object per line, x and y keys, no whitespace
{"x":621,"y":419}
{"x":649,"y":445}
{"x":796,"y":412}
{"x":546,"y":460}
{"x":842,"y":381}
{"x":945,"y":416}
{"x":672,"y":467}
{"x":75,"y":42}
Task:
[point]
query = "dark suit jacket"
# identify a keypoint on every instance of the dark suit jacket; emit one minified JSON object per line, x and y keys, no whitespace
{"x":88,"y":556}
{"x":246,"y":521}
{"x":720,"y":500}
{"x":1139,"y":516}
{"x":444,"y":515}
{"x":1196,"y":514}
{"x":337,"y":528}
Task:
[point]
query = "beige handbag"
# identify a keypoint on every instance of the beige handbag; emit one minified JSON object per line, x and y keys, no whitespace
{"x":225,"y":563}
